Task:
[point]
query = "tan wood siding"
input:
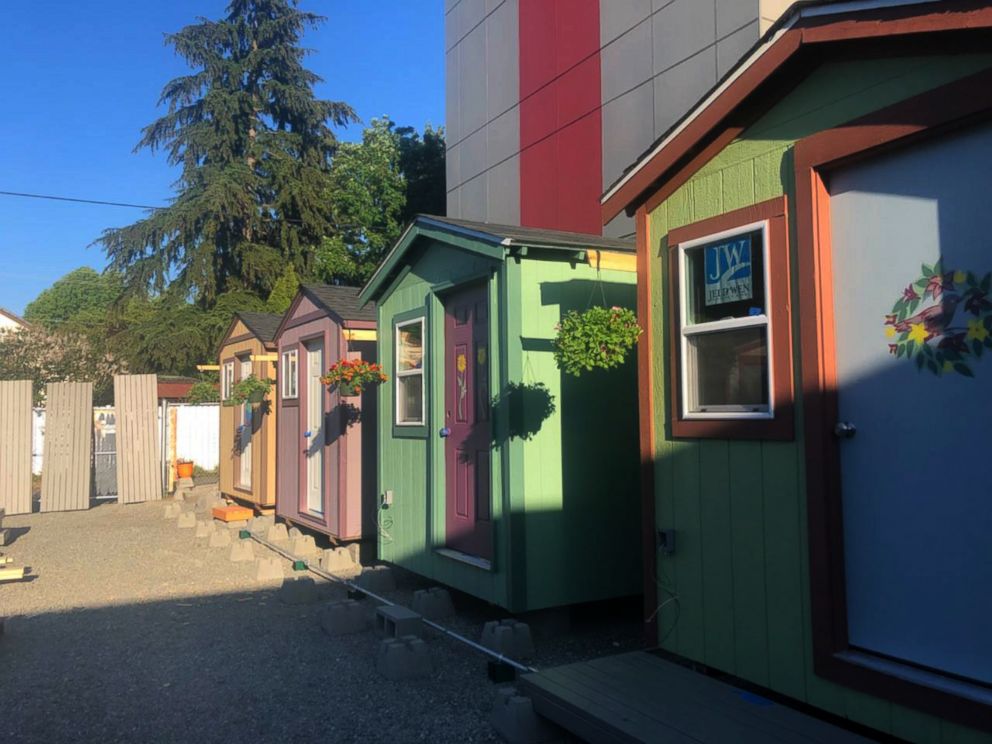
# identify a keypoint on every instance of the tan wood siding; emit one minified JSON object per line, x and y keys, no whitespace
{"x":138,"y":471}
{"x":15,"y":446}
{"x":65,"y":483}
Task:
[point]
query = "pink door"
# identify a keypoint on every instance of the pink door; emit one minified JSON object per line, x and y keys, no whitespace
{"x":468,"y":442}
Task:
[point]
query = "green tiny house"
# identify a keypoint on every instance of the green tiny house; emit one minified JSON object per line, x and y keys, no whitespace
{"x":856,"y":136}
{"x":499,"y":475}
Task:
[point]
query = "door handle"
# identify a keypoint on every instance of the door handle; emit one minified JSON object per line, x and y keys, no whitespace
{"x":307,"y":434}
{"x":444,"y":433}
{"x":845,"y":430}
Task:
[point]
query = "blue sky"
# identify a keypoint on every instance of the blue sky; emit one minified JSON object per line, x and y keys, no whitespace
{"x":82,"y":79}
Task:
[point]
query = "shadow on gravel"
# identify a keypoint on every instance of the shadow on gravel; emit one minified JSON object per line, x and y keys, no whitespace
{"x":14,"y":534}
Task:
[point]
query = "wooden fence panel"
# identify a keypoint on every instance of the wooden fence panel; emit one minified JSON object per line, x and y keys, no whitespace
{"x":65,"y":478}
{"x":15,"y":446}
{"x":139,"y":476}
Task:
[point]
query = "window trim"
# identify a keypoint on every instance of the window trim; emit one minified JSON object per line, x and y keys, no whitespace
{"x":398,"y":323}
{"x":687,"y":330}
{"x":286,"y":378}
{"x":778,"y":422}
{"x":226,"y":381}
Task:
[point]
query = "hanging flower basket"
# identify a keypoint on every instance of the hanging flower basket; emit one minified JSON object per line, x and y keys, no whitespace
{"x":351,"y":377}
{"x":251,"y":390}
{"x":599,"y":338}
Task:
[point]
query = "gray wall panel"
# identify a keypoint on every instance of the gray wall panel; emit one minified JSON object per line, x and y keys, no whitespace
{"x":471,"y":84}
{"x":452,"y":112}
{"x":504,"y":192}
{"x":474,"y":197}
{"x":503,"y":137}
{"x":626,"y":62}
{"x":676,"y":90}
{"x":731,"y":15}
{"x":731,"y":49}
{"x":628,"y":129}
{"x":472,"y":155}
{"x":616,"y":18}
{"x":680,"y":30}
{"x":502,"y":59}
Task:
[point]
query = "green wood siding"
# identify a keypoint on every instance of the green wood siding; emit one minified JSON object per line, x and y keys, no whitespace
{"x":737,"y":588}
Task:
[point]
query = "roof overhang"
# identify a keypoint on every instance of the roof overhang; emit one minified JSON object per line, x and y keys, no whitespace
{"x":809,"y":27}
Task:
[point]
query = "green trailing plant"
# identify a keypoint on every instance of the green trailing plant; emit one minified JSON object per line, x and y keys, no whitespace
{"x":251,"y":389}
{"x":599,"y":338}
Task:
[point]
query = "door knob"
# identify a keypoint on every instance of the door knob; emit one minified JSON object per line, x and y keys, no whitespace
{"x":845,"y":430}
{"x":444,"y":433}
{"x":307,"y":434}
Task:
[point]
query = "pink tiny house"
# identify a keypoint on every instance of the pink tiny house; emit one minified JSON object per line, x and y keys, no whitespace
{"x":326,"y":449}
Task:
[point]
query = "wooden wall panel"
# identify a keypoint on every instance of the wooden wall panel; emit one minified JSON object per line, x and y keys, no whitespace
{"x":15,"y":446}
{"x":138,"y":460}
{"x":65,"y":479}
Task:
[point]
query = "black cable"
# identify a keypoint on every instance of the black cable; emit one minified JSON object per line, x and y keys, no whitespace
{"x":73,"y":199}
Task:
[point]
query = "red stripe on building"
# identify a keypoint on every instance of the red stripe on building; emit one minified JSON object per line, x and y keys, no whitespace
{"x":561,"y":123}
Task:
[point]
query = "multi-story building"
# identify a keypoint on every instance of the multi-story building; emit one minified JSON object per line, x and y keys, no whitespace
{"x":549,"y":100}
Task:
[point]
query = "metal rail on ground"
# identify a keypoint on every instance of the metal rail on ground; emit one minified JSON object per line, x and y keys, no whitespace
{"x":498,"y":657}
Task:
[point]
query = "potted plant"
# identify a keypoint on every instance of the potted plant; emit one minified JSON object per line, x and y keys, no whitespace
{"x":599,"y":338}
{"x":184,"y":469}
{"x":250,"y":390}
{"x":352,"y":376}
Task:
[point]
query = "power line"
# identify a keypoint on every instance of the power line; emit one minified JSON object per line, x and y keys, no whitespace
{"x":79,"y":201}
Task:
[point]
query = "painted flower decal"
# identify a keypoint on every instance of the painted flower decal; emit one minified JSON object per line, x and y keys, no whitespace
{"x":925,"y":325}
{"x":460,"y":363}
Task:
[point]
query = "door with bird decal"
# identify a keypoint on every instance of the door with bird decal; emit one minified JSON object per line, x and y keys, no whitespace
{"x":911,"y":254}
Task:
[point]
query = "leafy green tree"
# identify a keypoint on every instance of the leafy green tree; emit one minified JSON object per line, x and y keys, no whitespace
{"x":367,"y":193}
{"x":422,"y":165}
{"x":254,"y":144}
{"x":79,"y":300}
{"x":284,"y":291}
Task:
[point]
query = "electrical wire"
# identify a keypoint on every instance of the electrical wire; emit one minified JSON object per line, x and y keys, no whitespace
{"x":100,"y":202}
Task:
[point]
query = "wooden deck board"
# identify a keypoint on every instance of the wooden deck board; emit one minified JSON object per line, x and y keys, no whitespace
{"x":640,"y":697}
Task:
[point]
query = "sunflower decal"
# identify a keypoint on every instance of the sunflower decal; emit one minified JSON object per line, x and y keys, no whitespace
{"x":943,"y":321}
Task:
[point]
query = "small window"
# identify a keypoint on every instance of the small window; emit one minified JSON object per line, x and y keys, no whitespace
{"x":731,"y":367}
{"x":227,"y":381}
{"x":410,"y":373}
{"x":288,"y":373}
{"x":725,"y":327}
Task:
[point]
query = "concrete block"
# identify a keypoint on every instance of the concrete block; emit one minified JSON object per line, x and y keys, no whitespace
{"x":172,"y":510}
{"x":434,"y":603}
{"x":508,"y":637}
{"x":242,"y":550}
{"x":260,"y":525}
{"x":4,"y":533}
{"x":355,"y":549}
{"x":205,"y":502}
{"x":516,"y":722}
{"x":345,"y":616}
{"x":338,"y":561}
{"x":294,"y":532}
{"x":301,"y":590}
{"x":403,"y":658}
{"x":377,"y":579}
{"x":277,"y":534}
{"x":205,"y":527}
{"x":220,"y":538}
{"x":268,"y":569}
{"x":302,"y":546}
{"x":186,"y":520}
{"x":237,"y":526}
{"x":183,"y":484}
{"x":396,"y":622}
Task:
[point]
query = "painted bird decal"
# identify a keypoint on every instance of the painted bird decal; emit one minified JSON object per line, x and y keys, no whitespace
{"x":934,"y":319}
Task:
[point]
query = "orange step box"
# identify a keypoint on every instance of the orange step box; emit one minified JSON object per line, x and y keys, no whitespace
{"x":233,"y":513}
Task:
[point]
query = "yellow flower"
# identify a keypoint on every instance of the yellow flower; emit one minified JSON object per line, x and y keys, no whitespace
{"x":460,"y":363}
{"x":890,"y":331}
{"x":959,"y":276}
{"x":918,"y":333}
{"x":976,"y":330}
{"x":948,"y":367}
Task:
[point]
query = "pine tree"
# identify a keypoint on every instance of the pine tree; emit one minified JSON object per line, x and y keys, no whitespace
{"x":254,"y":144}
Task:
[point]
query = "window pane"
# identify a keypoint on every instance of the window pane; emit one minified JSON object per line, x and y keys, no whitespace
{"x":410,"y":399}
{"x":728,"y":370}
{"x":410,"y":354}
{"x":726,"y":279}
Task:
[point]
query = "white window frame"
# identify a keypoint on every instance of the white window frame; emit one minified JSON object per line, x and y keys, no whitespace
{"x":410,"y":372}
{"x":290,"y":381}
{"x":687,"y":330}
{"x":227,"y":380}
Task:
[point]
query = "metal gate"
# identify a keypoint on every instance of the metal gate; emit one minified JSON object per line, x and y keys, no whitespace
{"x":104,"y":453}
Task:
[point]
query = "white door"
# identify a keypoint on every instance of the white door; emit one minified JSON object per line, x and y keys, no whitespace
{"x":245,"y":429}
{"x":911,"y":235}
{"x":315,"y":427}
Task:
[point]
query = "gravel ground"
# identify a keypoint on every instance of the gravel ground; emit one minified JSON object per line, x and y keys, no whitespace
{"x":134,"y":630}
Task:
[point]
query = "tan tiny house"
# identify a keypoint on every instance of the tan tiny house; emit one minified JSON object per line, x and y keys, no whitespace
{"x":248,"y":432}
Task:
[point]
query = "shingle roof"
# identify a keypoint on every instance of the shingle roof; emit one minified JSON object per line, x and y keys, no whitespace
{"x":342,"y":301}
{"x":263,"y":325}
{"x":534,"y":236}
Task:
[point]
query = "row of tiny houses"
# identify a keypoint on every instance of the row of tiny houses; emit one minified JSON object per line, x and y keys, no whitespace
{"x":814,"y":286}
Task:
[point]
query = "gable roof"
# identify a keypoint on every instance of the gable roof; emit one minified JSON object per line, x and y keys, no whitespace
{"x":343,"y":302}
{"x":16,"y":318}
{"x":807,"y":29}
{"x":263,"y":325}
{"x":487,"y":238}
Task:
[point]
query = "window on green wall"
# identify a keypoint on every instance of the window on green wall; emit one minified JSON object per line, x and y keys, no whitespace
{"x":409,"y":373}
{"x":731,"y":369}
